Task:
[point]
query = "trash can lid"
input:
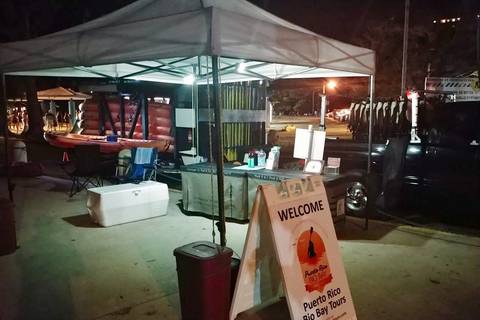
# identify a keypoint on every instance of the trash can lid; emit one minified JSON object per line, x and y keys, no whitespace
{"x":202,"y":250}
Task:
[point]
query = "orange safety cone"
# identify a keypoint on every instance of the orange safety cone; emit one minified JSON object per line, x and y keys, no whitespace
{"x":65,"y":156}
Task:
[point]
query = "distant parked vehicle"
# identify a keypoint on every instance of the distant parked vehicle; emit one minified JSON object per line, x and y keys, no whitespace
{"x":341,"y":114}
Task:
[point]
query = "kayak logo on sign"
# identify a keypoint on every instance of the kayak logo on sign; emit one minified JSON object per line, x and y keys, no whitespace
{"x":313,"y":260}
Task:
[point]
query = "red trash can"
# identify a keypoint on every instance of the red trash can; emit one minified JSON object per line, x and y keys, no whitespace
{"x":203,"y":270}
{"x":8,"y":239}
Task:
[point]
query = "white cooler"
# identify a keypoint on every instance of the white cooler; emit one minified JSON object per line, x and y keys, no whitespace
{"x":127,"y":202}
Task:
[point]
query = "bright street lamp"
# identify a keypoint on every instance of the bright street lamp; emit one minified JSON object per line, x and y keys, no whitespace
{"x":329,"y":84}
{"x":323,"y":106}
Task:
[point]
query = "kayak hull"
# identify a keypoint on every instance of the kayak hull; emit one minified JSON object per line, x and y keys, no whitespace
{"x":70,"y":140}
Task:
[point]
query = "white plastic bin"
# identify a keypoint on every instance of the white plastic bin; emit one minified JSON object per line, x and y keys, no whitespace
{"x":122,"y":203}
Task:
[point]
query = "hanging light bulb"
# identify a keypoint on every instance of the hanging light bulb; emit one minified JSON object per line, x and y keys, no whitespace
{"x":189,"y":79}
{"x":241,"y":67}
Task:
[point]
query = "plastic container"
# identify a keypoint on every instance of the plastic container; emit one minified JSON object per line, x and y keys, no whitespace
{"x":204,"y":273}
{"x":262,"y":158}
{"x":19,"y":153}
{"x":251,"y":159}
{"x":8,"y":239}
{"x":128,"y":202}
{"x":112,"y":138}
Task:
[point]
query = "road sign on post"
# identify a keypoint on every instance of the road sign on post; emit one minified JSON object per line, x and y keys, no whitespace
{"x":458,"y":89}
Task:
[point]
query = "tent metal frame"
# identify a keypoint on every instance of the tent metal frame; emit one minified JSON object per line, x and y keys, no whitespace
{"x":293,"y":52}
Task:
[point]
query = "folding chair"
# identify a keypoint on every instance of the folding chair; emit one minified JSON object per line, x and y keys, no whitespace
{"x":85,"y":169}
{"x":141,"y":167}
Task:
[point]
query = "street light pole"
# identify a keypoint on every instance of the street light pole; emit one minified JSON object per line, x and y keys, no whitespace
{"x":323,"y":106}
{"x":405,"y":48}
{"x":313,"y":102}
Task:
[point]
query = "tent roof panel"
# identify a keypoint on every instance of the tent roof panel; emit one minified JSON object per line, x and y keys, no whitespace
{"x":160,"y":30}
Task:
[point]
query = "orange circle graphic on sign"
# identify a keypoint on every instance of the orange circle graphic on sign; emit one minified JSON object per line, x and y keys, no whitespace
{"x":313,"y":260}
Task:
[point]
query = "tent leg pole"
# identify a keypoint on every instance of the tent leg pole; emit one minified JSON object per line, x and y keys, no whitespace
{"x":135,"y":119}
{"x":3,"y":110}
{"x":122,"y":116}
{"x":219,"y":149}
{"x":106,"y":109}
{"x":144,"y":117}
{"x":369,"y":167}
{"x":71,"y":110}
{"x":101,"y":117}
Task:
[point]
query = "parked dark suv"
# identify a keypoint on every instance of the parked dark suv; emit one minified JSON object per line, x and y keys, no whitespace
{"x":440,"y":175}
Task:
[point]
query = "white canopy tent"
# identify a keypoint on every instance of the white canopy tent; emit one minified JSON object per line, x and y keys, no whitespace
{"x":159,"y":40}
{"x":166,"y":40}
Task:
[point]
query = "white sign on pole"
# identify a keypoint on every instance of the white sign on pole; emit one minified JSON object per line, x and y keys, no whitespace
{"x":306,"y":252}
{"x":318,"y":145}
{"x":303,"y":142}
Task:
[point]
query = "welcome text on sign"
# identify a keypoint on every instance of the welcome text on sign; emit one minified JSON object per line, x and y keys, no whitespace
{"x":298,"y":211}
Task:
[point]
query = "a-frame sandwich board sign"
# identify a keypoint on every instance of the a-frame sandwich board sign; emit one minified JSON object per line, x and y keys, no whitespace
{"x":291,"y":240}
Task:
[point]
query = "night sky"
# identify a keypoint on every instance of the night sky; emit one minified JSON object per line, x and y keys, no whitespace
{"x":344,"y":20}
{"x":347,"y":19}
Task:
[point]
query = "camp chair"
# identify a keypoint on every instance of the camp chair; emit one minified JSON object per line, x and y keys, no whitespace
{"x":141,"y":167}
{"x":124,"y":160}
{"x":86,"y":168}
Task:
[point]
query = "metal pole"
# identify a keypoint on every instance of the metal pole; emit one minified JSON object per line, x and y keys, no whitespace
{"x":323,"y":110}
{"x":405,"y":49}
{"x":313,"y":103}
{"x":370,"y":130}
{"x":370,"y":125}
{"x":195,"y":140}
{"x":53,"y":107}
{"x":219,"y":149}
{"x":144,"y":100}
{"x":71,"y":110}
{"x":197,"y":123}
{"x":3,"y":110}
{"x":122,"y":116}
{"x":323,"y":107}
{"x":478,"y":48}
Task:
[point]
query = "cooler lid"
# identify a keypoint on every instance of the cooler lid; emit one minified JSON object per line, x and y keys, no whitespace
{"x":114,"y":188}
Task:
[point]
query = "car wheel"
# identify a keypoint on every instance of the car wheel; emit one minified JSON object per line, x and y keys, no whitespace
{"x":356,"y":200}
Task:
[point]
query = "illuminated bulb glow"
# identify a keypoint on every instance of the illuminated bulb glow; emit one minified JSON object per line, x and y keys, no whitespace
{"x":241,"y":67}
{"x":189,"y":79}
{"x":331,"y":84}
